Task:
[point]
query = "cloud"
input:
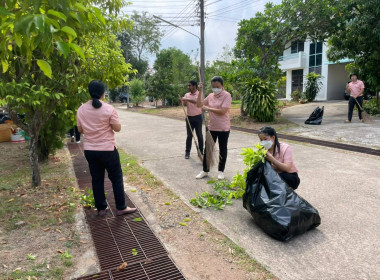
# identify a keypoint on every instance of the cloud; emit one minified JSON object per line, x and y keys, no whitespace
{"x":222,"y":19}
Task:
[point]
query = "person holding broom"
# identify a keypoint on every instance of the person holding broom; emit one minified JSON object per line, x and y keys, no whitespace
{"x":218,"y":104}
{"x":194,"y":116}
{"x":355,"y":89}
{"x":99,"y":122}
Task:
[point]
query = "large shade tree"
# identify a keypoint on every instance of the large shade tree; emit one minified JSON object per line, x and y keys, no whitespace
{"x":46,"y":56}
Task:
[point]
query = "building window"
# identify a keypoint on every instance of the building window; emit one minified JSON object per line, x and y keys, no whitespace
{"x":315,"y":58}
{"x":297,"y":46}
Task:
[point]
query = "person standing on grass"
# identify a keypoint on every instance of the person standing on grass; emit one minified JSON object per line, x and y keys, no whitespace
{"x":99,"y":122}
{"x":355,"y":89}
{"x":194,"y":114}
{"x":218,"y":104}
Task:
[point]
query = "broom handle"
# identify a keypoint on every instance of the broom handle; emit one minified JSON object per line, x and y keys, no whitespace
{"x":188,"y":122}
{"x":360,"y":107}
{"x":203,"y":113}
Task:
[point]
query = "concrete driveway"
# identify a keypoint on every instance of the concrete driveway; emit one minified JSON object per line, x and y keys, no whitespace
{"x":333,"y":127}
{"x":343,"y":186}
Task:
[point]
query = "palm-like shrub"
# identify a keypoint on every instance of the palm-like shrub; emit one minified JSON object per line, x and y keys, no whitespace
{"x":259,"y":100}
{"x":312,"y":86}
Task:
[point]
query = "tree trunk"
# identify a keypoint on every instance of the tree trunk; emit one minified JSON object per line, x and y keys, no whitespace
{"x":33,"y":156}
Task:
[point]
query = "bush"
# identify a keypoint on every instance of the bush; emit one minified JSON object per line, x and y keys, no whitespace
{"x":296,"y":95}
{"x":312,"y":86}
{"x":259,"y":100}
{"x":137,"y":91}
{"x":372,"y":107}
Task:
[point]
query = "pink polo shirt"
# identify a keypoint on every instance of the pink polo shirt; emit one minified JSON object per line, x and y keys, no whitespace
{"x":96,"y":124}
{"x":285,"y":156}
{"x":192,"y":109}
{"x":218,"y":101}
{"x":356,"y":88}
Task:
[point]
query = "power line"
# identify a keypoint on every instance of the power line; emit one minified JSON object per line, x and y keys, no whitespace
{"x":235,"y":8}
{"x":230,"y":6}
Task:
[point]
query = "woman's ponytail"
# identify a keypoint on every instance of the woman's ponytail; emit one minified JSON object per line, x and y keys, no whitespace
{"x":96,"y":89}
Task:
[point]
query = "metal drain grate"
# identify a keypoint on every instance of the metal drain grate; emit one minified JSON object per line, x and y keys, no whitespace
{"x":116,"y":238}
{"x":157,"y":269}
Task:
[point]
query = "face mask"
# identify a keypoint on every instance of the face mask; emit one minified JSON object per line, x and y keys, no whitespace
{"x":216,"y":90}
{"x":267,"y":144}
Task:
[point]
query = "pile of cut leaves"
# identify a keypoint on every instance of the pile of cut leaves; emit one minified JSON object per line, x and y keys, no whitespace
{"x":224,"y":191}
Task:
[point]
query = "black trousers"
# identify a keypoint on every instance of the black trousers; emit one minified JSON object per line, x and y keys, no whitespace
{"x":352,"y":103}
{"x":77,"y":133}
{"x":291,"y":179}
{"x":222,"y":137}
{"x":196,"y":124}
{"x":98,"y":162}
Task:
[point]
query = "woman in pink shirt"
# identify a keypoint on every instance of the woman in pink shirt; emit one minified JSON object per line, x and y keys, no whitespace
{"x":280,"y":155}
{"x":99,"y":121}
{"x":218,"y":105}
{"x":355,"y":89}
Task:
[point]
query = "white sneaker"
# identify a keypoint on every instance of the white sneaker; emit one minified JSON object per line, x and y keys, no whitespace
{"x":78,"y":142}
{"x":201,"y":175}
{"x":220,"y":175}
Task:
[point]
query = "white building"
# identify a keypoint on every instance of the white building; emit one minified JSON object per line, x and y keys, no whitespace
{"x":300,"y":58}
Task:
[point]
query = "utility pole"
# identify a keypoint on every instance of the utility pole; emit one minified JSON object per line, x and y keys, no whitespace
{"x":202,"y":43}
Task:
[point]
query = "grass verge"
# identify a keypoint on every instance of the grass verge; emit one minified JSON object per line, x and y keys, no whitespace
{"x":176,"y":220}
{"x":37,"y":225}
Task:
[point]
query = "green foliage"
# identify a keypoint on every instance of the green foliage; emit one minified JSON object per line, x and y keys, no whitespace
{"x":143,"y":37}
{"x":223,"y":190}
{"x":312,"y":86}
{"x":356,"y":37}
{"x":259,"y":99}
{"x":66,"y":255}
{"x":137,"y":91}
{"x":281,"y":87}
{"x":173,"y":71}
{"x":87,"y":199}
{"x":49,"y":50}
{"x":296,"y":95}
{"x":372,"y":107}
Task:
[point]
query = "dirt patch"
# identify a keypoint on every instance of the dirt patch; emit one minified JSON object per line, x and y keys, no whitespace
{"x":280,"y":123}
{"x":199,"y":250}
{"x":42,"y":234}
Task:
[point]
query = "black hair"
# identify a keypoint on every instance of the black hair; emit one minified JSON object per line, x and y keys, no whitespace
{"x":217,"y":79}
{"x":193,"y":83}
{"x":270,"y":131}
{"x":96,"y":89}
{"x":353,"y":74}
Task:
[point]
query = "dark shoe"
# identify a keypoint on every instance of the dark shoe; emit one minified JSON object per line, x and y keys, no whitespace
{"x":187,"y":156}
{"x":102,"y":213}
{"x":127,"y":210}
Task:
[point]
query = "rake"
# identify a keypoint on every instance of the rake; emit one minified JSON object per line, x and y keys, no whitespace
{"x":192,"y":132}
{"x":365,"y":117}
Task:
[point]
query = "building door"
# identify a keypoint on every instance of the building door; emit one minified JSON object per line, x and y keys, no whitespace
{"x":297,"y":80}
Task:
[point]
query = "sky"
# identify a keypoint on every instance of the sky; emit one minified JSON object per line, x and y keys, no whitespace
{"x":221,"y":18}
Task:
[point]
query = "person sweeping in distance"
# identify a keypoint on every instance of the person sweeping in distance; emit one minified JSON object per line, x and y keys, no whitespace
{"x":280,"y":155}
{"x":194,"y":117}
{"x":355,"y":89}
{"x":99,"y":122}
{"x":218,"y":104}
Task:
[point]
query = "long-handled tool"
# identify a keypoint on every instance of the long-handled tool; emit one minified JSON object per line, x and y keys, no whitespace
{"x":192,"y":132}
{"x":365,"y":117}
{"x":209,"y":143}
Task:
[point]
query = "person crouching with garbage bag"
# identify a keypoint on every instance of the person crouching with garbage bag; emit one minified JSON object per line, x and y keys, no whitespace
{"x":280,"y":155}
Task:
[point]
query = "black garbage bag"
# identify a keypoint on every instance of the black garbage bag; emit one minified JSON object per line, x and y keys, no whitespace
{"x":316,"y":116}
{"x":275,"y":207}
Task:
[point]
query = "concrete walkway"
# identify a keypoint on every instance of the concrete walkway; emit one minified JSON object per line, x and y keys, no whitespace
{"x":343,"y":186}
{"x":333,"y":127}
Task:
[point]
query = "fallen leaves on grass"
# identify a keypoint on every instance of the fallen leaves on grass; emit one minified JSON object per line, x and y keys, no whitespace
{"x":183,"y":224}
{"x":186,"y":220}
{"x":133,"y":190}
{"x":167,"y":203}
{"x":46,"y":229}
{"x":60,"y":251}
